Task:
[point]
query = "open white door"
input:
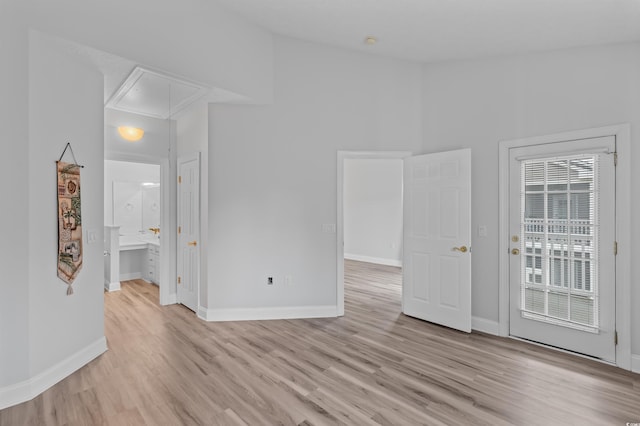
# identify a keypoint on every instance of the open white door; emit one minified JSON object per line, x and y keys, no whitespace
{"x":188,"y":261}
{"x":437,"y":238}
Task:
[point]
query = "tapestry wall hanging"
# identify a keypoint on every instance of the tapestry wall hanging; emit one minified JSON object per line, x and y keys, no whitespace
{"x":69,"y":221}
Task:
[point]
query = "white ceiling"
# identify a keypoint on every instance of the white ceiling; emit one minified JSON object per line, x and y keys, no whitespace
{"x":152,"y":98}
{"x":155,"y":94}
{"x":440,"y":30}
{"x":419,"y":30}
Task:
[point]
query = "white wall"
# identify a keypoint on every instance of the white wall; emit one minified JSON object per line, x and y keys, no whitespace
{"x":133,"y":263}
{"x":14,"y":285}
{"x":476,"y":104}
{"x":272,"y":170}
{"x":373,"y":210}
{"x":192,"y":128}
{"x":195,"y":39}
{"x":123,"y":171}
{"x":60,"y":326}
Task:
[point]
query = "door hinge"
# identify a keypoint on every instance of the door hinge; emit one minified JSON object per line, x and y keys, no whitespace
{"x":615,"y":337}
{"x":615,"y":158}
{"x":615,"y":248}
{"x":179,"y":280}
{"x":179,"y":179}
{"x":179,"y":229}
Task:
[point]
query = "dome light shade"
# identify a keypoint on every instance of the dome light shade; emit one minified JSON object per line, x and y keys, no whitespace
{"x":131,"y":134}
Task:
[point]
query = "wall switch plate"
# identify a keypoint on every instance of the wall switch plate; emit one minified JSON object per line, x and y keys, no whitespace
{"x":482,"y":230}
{"x":92,"y":236}
{"x":328,"y":228}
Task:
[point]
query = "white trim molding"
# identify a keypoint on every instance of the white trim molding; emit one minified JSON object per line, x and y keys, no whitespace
{"x":29,"y":389}
{"x":485,"y":326}
{"x":114,"y":286}
{"x":635,"y":363}
{"x":376,"y":260}
{"x":131,"y":276}
{"x":622,"y":134}
{"x":259,"y":314}
{"x":170,"y":299}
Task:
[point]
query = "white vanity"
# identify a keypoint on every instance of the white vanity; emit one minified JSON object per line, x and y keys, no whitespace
{"x":129,"y":257}
{"x":140,"y":257}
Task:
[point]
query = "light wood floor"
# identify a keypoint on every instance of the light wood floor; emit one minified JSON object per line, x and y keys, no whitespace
{"x":373,"y":366}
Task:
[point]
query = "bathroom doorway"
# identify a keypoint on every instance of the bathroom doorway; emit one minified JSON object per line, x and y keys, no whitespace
{"x":132,"y":209}
{"x":155,"y":149}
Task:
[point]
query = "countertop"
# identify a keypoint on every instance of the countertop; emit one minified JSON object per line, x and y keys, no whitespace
{"x":134,"y":242}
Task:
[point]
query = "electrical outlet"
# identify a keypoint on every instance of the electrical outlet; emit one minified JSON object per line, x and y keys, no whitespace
{"x":269,"y":280}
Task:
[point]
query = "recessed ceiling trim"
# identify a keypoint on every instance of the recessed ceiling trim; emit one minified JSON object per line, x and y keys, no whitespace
{"x":137,"y":95}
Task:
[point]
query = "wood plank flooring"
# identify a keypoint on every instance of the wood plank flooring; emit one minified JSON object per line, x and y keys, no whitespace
{"x":374,"y":366}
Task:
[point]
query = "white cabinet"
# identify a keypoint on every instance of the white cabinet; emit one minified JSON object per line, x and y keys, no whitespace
{"x":153,"y":269}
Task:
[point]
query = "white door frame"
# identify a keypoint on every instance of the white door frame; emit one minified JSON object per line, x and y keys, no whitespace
{"x":622,"y":133}
{"x":167,"y":218}
{"x":192,"y":156}
{"x":355,"y":155}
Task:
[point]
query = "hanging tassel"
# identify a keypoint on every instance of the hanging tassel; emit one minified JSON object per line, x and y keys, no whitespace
{"x":69,"y":290}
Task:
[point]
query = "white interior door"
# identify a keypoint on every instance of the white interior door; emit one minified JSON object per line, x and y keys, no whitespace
{"x":188,"y":262}
{"x":437,"y":238}
{"x":562,"y":263}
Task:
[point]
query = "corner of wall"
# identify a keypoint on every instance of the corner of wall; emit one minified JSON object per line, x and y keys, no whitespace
{"x":29,"y":389}
{"x":485,"y":326}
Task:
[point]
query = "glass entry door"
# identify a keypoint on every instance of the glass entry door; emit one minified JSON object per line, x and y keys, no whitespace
{"x":562,"y":268}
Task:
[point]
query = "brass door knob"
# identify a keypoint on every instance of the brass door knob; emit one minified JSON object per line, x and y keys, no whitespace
{"x":192,"y":243}
{"x":515,"y":251}
{"x":462,"y":249}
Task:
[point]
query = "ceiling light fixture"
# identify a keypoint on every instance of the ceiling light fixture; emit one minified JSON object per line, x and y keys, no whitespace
{"x":131,"y":134}
{"x":370,"y":40}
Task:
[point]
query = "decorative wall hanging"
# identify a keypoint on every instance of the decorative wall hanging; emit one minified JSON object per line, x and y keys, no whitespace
{"x":69,"y":220}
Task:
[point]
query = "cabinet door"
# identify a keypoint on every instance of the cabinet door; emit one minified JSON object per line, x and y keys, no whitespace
{"x":151,"y":267}
{"x":156,"y":268}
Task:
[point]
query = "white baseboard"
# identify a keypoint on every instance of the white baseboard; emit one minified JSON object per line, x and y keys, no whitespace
{"x":635,"y":363}
{"x":255,"y":314}
{"x":29,"y":389}
{"x":131,"y":276}
{"x":485,"y":326}
{"x":114,"y":286}
{"x":171,"y":299}
{"x":376,"y":260}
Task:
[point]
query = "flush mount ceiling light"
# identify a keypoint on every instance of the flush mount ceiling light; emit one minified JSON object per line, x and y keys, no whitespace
{"x":131,"y":134}
{"x":370,"y":40}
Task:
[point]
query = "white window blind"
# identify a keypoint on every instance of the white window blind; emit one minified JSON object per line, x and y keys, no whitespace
{"x":559,"y":244}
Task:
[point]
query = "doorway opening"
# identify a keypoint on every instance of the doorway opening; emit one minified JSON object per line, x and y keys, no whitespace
{"x":369,"y":216}
{"x":133,"y":214}
{"x":436,"y":234}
